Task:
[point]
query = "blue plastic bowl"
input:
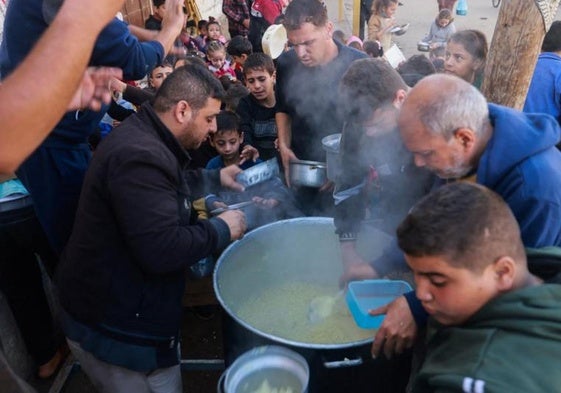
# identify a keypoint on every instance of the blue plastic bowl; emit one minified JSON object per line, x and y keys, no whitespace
{"x":369,"y":294}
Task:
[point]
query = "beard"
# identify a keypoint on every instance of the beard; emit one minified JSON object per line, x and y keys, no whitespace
{"x":456,"y":170}
{"x":191,"y":138}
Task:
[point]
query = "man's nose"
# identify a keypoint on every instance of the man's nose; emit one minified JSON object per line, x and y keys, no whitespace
{"x":419,"y":161}
{"x":300,"y":50}
{"x":212,"y":127}
{"x":422,"y":291}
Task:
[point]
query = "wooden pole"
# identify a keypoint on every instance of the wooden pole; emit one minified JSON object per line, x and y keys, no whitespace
{"x":518,"y":36}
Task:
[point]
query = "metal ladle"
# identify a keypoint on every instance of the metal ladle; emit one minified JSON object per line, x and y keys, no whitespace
{"x":321,"y":307}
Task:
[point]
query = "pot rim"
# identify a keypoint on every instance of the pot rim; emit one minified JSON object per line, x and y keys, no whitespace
{"x":318,"y":164}
{"x":332,"y":143}
{"x":248,"y":238}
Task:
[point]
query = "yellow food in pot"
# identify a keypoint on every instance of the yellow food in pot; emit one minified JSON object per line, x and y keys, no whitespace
{"x":282,"y":311}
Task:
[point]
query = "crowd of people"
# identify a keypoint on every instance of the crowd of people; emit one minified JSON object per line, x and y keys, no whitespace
{"x":118,"y":209}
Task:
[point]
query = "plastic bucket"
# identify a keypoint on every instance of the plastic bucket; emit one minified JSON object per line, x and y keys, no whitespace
{"x":274,"y":40}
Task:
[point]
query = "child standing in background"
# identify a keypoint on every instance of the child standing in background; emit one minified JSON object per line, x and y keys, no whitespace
{"x":382,"y":21}
{"x":200,"y":39}
{"x":441,"y":29}
{"x":271,"y":199}
{"x":217,"y":63}
{"x":257,"y":110}
{"x":239,"y":48}
{"x":214,"y":31}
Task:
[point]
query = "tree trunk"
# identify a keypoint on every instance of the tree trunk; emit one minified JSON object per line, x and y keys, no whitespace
{"x":514,"y":50}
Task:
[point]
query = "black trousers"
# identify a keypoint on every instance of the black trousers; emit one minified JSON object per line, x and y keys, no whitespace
{"x":21,"y":238}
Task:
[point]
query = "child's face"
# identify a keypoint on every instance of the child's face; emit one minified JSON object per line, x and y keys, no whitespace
{"x":214,"y":32}
{"x":227,"y":144}
{"x":203,"y":30}
{"x":158,"y":75}
{"x":449,"y":294}
{"x":217,"y":59}
{"x":260,"y":83}
{"x":390,"y":10}
{"x":460,"y":62}
{"x":160,"y":11}
{"x":443,"y":22}
{"x":239,"y":59}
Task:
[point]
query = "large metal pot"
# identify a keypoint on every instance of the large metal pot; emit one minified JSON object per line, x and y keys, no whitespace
{"x":304,"y":250}
{"x":308,"y":173}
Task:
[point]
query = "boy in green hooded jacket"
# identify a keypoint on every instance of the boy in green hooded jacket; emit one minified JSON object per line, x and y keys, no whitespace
{"x":494,"y":327}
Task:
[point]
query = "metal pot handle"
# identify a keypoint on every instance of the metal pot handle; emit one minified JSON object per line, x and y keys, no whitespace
{"x":219,"y":388}
{"x":343,"y":363}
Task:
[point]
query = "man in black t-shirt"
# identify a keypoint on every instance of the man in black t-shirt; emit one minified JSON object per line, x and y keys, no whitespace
{"x":307,"y":80}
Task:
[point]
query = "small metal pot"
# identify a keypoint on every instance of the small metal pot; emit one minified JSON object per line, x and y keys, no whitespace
{"x":331,"y":145}
{"x":423,"y":46}
{"x":308,"y":173}
{"x":275,"y":366}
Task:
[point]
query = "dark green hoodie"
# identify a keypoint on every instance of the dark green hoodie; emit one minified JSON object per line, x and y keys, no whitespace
{"x":513,"y":344}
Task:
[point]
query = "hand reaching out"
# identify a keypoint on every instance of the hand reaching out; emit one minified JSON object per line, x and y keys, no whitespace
{"x":398,"y":330}
{"x":94,"y":90}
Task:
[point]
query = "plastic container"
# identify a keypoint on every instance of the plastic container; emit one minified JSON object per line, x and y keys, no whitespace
{"x":258,"y":173}
{"x":369,"y":294}
{"x":462,"y":8}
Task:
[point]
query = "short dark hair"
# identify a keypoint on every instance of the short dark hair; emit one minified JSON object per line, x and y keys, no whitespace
{"x":227,"y":121}
{"x":468,"y":224}
{"x":239,"y":45}
{"x":552,"y":39}
{"x":259,"y":61}
{"x":373,"y":48}
{"x":415,"y":68}
{"x":366,"y":85}
{"x":201,"y":24}
{"x":233,"y":95}
{"x":299,"y":12}
{"x":164,"y":64}
{"x":193,"y":83}
{"x":158,"y":3}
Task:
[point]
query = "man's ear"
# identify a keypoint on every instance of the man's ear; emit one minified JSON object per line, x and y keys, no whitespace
{"x":505,"y":270}
{"x":243,"y":56}
{"x":183,"y":112}
{"x":241,"y":137}
{"x":330,"y":29}
{"x":465,"y":137}
{"x":399,"y":98}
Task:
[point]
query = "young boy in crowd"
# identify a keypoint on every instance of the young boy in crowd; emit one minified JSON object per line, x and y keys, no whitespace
{"x":239,"y":48}
{"x":154,"y":21}
{"x":272,"y":200}
{"x":487,"y":311}
{"x":257,"y":110}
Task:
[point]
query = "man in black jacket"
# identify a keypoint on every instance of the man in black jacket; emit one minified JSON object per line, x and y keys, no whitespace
{"x":121,"y":277}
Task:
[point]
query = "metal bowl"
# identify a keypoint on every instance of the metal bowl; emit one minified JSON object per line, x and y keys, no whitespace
{"x":308,"y":173}
{"x":400,"y":30}
{"x":423,"y":46}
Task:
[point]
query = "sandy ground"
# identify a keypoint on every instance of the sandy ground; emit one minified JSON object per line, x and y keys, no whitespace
{"x":420,"y":13}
